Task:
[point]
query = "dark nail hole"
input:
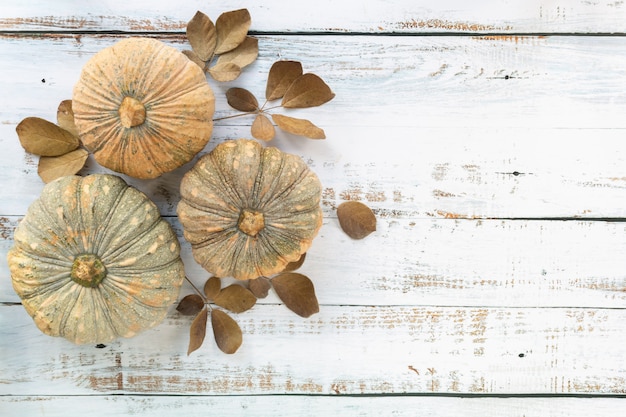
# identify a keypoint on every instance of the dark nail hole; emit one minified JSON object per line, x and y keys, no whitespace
{"x":43,"y":80}
{"x":516,"y":173}
{"x":100,"y":346}
{"x":521,"y":355}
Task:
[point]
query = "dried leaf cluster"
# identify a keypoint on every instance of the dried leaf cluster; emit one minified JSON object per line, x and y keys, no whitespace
{"x":227,"y":40}
{"x":285,"y":81}
{"x":57,"y":144}
{"x":294,"y":289}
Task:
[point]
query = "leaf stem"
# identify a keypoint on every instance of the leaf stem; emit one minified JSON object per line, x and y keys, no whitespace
{"x":232,"y":116}
{"x":200,"y":293}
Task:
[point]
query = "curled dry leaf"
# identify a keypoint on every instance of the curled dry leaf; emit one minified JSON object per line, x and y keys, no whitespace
{"x":282,"y":74}
{"x":190,"y":305}
{"x":226,"y":331}
{"x":356,"y":219}
{"x":242,"y":99}
{"x":297,"y":292}
{"x":197,"y":331}
{"x":232,"y":28}
{"x":300,"y":127}
{"x":308,"y":90}
{"x":243,"y":55}
{"x":295,"y":265}
{"x":235,"y":298}
{"x":52,"y":167}
{"x":202,"y":36}
{"x":224,"y":72}
{"x":260,"y":287}
{"x":193,"y":57}
{"x":44,"y":138}
{"x":65,"y":117}
{"x":212,"y":287}
{"x":262,"y":128}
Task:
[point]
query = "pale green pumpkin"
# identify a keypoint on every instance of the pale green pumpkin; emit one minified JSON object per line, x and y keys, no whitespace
{"x":93,"y":260}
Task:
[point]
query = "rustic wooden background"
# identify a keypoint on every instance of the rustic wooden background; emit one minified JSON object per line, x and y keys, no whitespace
{"x":490,"y":139}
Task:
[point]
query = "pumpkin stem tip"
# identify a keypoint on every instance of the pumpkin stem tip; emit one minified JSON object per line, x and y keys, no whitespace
{"x":251,"y":222}
{"x":132,"y":112}
{"x":88,"y":270}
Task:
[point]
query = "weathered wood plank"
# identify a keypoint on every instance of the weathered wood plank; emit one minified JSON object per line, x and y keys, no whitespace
{"x":441,"y":134}
{"x":341,"y":350}
{"x":449,"y":263}
{"x":304,"y":406}
{"x":380,"y":16}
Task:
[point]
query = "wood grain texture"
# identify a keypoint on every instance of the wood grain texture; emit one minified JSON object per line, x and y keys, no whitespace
{"x":357,"y":350}
{"x":379,"y":16}
{"x":313,"y":406}
{"x":494,"y":162}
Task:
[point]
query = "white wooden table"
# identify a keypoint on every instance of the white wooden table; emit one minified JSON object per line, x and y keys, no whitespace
{"x":489,"y":137}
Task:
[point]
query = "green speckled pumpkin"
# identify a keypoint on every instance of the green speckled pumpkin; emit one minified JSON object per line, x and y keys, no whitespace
{"x":248,"y":210}
{"x":93,"y":260}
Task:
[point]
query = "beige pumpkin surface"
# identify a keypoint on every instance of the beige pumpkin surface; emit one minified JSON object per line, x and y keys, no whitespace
{"x":93,"y":260}
{"x":143,"y":108}
{"x":249,"y":210}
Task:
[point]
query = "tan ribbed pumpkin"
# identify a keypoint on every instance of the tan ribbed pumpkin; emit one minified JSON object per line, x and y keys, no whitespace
{"x":248,"y":210}
{"x":143,"y":108}
{"x":93,"y":260}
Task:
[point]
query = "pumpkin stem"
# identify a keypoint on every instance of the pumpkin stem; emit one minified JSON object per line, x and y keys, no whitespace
{"x":251,"y":222}
{"x":88,"y":270}
{"x":132,"y":112}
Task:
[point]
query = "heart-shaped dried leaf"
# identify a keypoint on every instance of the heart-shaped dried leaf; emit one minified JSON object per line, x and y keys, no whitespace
{"x":297,"y":292}
{"x":190,"y":305}
{"x":224,"y":72}
{"x":244,"y":54}
{"x":226,"y":331}
{"x":242,"y":99}
{"x":202,"y":35}
{"x":292,"y":266}
{"x":282,"y":74}
{"x":65,"y":117}
{"x":197,"y":331}
{"x":212,"y":287}
{"x":308,"y":90}
{"x":262,"y":128}
{"x":41,"y":137}
{"x":235,"y":298}
{"x":52,"y":167}
{"x":356,"y":219}
{"x":193,"y":57}
{"x":300,"y":127}
{"x":232,"y":28}
{"x":260,"y":287}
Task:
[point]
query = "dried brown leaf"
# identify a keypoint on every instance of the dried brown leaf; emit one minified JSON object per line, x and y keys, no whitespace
{"x":227,"y":332}
{"x":212,"y":287}
{"x":282,"y":74}
{"x":225,"y":71}
{"x":356,"y":219}
{"x":193,"y":57}
{"x":244,"y":54}
{"x":202,"y":36}
{"x":242,"y":99}
{"x":65,"y":117}
{"x":197,"y":331}
{"x":260,"y":287}
{"x":292,"y":266}
{"x":52,"y":167}
{"x":235,"y":298}
{"x":300,"y":127}
{"x":232,"y":28}
{"x":297,"y":292}
{"x":308,"y":90}
{"x":41,"y":137}
{"x":190,"y":305}
{"x":262,"y":128}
